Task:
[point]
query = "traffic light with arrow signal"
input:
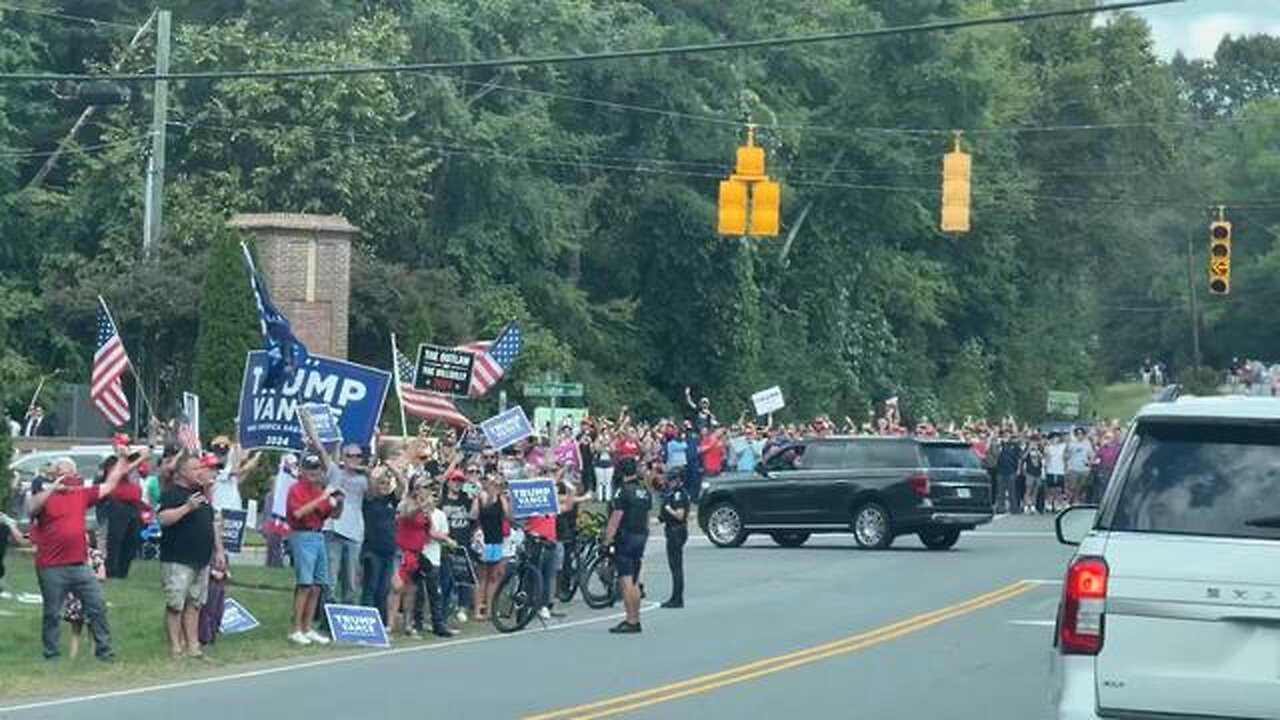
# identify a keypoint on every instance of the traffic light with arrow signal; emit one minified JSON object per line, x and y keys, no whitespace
{"x":1220,"y":255}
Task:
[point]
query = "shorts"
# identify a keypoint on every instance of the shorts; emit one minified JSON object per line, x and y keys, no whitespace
{"x":310,"y":558}
{"x":1053,"y":481}
{"x":407,"y":568}
{"x":492,"y":554}
{"x":184,"y":585}
{"x":629,"y":554}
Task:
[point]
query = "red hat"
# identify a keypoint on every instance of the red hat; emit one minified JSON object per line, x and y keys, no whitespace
{"x":144,"y":468}
{"x":455,"y":474}
{"x":119,"y":439}
{"x":210,"y":461}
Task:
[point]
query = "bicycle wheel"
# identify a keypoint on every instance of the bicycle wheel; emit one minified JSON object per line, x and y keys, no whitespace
{"x":516,"y":601}
{"x":566,"y":584}
{"x":599,"y":582}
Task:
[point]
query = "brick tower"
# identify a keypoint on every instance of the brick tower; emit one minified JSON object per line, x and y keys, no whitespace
{"x":306,"y":261}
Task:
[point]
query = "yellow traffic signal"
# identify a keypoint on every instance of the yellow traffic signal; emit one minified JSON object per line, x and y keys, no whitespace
{"x":1219,"y":256}
{"x":955,"y":190}
{"x":765,"y":198}
{"x":749,"y":179}
{"x":733,"y":208}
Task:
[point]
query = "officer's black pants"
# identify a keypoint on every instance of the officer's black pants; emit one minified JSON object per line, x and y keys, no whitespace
{"x":677,"y":536}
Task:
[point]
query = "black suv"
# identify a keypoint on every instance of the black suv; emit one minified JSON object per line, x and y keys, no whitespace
{"x":875,"y":487}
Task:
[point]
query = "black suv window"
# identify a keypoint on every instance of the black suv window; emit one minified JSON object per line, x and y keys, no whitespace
{"x":1201,"y":479}
{"x":881,"y":454}
{"x":951,"y":456}
{"x":791,"y":457}
{"x":825,"y":456}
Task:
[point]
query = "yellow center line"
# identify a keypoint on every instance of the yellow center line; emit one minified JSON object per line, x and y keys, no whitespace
{"x":778,"y":663}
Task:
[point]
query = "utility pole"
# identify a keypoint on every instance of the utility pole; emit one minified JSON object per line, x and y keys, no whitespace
{"x":153,"y":223}
{"x":1191,"y":296}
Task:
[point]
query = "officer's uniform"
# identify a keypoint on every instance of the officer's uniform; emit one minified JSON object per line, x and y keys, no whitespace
{"x":677,"y":533}
{"x":634,"y":501}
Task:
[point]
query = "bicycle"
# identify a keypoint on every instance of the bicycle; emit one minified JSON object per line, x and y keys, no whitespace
{"x":520,"y":594}
{"x":599,"y":581}
{"x":578,"y":554}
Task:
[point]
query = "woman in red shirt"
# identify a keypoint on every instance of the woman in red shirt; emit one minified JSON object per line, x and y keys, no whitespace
{"x":412,"y":527}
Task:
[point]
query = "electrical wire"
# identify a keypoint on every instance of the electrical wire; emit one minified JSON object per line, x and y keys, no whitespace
{"x":573,"y":58}
{"x":79,"y":19}
{"x":70,"y":149}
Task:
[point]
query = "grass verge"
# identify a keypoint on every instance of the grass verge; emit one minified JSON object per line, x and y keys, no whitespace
{"x":1120,"y":401}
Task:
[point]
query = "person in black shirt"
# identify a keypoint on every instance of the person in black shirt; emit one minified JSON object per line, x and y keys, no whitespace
{"x":456,"y":505}
{"x":188,"y":545}
{"x":675,"y":522}
{"x":378,"y":553}
{"x":629,"y":527}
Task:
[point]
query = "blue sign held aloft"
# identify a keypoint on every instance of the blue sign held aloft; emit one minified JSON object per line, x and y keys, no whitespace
{"x":507,"y":428}
{"x":323,"y":422}
{"x":233,"y":524}
{"x":269,"y":416}
{"x":236,"y":619}
{"x":356,"y":625}
{"x":533,"y":497}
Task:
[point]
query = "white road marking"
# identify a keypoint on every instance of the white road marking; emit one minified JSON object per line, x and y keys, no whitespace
{"x":312,"y":664}
{"x":1044,"y":581}
{"x":1034,"y":623}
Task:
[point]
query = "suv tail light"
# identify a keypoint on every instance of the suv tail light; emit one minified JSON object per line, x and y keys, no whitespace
{"x":919,"y":484}
{"x":1084,"y":596}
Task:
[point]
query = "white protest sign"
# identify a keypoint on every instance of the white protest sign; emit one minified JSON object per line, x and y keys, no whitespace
{"x":767,"y":401}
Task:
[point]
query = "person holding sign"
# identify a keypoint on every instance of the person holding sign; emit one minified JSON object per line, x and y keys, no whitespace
{"x":188,"y":544}
{"x":309,"y":504}
{"x":625,"y":536}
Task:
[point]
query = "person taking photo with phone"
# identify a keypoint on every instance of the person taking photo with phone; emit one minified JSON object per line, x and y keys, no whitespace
{"x":189,"y":546}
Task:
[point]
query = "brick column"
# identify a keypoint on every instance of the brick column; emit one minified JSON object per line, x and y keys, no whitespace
{"x":306,"y":261}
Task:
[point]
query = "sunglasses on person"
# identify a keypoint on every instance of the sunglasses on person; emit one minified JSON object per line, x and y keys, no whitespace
{"x":354,"y":455}
{"x":473,"y":471}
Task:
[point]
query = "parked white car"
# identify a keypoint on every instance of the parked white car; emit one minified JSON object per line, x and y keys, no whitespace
{"x":1171,"y":606}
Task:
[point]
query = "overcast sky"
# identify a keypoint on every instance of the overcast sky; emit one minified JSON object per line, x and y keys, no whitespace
{"x":1196,"y":26}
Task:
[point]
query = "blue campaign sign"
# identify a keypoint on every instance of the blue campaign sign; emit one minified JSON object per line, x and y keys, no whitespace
{"x":323,"y":422}
{"x":236,"y":619}
{"x":507,"y":428}
{"x":533,"y":497}
{"x":356,"y":625}
{"x":233,"y":523}
{"x":269,"y":416}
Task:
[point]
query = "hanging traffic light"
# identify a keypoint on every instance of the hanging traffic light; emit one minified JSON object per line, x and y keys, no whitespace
{"x":749,"y":182}
{"x":955,"y":189}
{"x":1220,"y":256}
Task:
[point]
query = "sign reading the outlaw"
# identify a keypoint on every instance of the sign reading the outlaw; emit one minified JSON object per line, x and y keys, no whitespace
{"x":356,"y":625}
{"x":269,"y":416}
{"x":236,"y":619}
{"x":444,"y":370}
{"x":323,"y":422}
{"x":233,"y":524}
{"x":767,"y":401}
{"x":1066,"y":404}
{"x":507,"y":428}
{"x":533,"y":497}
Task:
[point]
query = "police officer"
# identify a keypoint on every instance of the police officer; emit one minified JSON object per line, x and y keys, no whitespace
{"x":675,"y":522}
{"x":626,"y":535}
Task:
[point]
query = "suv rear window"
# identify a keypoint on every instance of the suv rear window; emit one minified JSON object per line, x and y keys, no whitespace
{"x":1202,"y":479}
{"x":951,"y":456}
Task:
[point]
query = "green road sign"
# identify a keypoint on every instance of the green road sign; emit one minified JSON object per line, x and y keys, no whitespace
{"x":553,"y":390}
{"x":1066,"y":404}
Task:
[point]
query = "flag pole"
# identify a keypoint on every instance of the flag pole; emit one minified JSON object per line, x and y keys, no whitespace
{"x":139,"y":390}
{"x":395,"y":373}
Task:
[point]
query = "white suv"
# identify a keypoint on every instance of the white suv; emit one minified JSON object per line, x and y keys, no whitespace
{"x":1171,"y":606}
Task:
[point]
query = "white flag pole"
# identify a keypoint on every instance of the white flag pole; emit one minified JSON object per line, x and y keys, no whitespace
{"x":395,"y":376}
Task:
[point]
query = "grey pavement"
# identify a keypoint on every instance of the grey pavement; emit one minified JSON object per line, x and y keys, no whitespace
{"x":743,"y":605}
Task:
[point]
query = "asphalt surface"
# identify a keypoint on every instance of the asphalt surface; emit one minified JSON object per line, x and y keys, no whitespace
{"x":822,"y":631}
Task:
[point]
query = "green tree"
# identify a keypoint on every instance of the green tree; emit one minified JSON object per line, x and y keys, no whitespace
{"x":228,"y":330}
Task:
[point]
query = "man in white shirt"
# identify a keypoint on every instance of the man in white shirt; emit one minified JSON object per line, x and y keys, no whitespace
{"x":433,"y":552}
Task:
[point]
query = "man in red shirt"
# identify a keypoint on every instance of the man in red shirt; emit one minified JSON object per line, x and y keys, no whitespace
{"x":711,"y":447}
{"x":309,"y":504}
{"x":57,"y":512}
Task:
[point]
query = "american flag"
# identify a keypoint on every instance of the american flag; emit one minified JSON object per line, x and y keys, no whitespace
{"x":106,"y":391}
{"x":422,"y":403}
{"x":188,"y":435}
{"x":493,"y":359}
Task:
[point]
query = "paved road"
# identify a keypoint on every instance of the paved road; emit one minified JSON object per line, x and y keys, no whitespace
{"x":821,"y":631}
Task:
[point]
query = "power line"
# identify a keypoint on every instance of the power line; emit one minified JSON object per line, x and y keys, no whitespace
{"x":73,"y":149}
{"x":570,"y":58}
{"x":78,"y":19}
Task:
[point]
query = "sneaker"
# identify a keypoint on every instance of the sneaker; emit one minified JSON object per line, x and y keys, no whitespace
{"x":317,"y":638}
{"x":461,"y":616}
{"x":444,"y":632}
{"x":544,"y":613}
{"x":559,"y":614}
{"x":625,"y":628}
{"x":298,"y":638}
{"x":673,"y":604}
{"x":411,"y":633}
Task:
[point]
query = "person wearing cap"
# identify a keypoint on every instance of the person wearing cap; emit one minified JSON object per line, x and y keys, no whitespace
{"x":344,"y":531}
{"x":309,"y":504}
{"x":57,"y":509}
{"x":124,"y":514}
{"x":626,"y":535}
{"x":674,"y":516}
{"x":189,"y":546}
{"x":456,"y":506}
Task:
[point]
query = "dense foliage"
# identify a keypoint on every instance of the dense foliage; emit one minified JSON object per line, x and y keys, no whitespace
{"x":581,"y":198}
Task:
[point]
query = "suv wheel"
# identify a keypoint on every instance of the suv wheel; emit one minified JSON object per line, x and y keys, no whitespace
{"x":790,"y":539}
{"x":724,"y":526}
{"x":939,"y":538}
{"x":871,"y":526}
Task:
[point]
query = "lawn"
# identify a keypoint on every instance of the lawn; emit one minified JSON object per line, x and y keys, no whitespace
{"x":135,"y":611}
{"x":1120,"y":401}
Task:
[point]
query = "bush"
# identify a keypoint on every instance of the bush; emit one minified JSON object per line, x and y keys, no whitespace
{"x":1202,"y":381}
